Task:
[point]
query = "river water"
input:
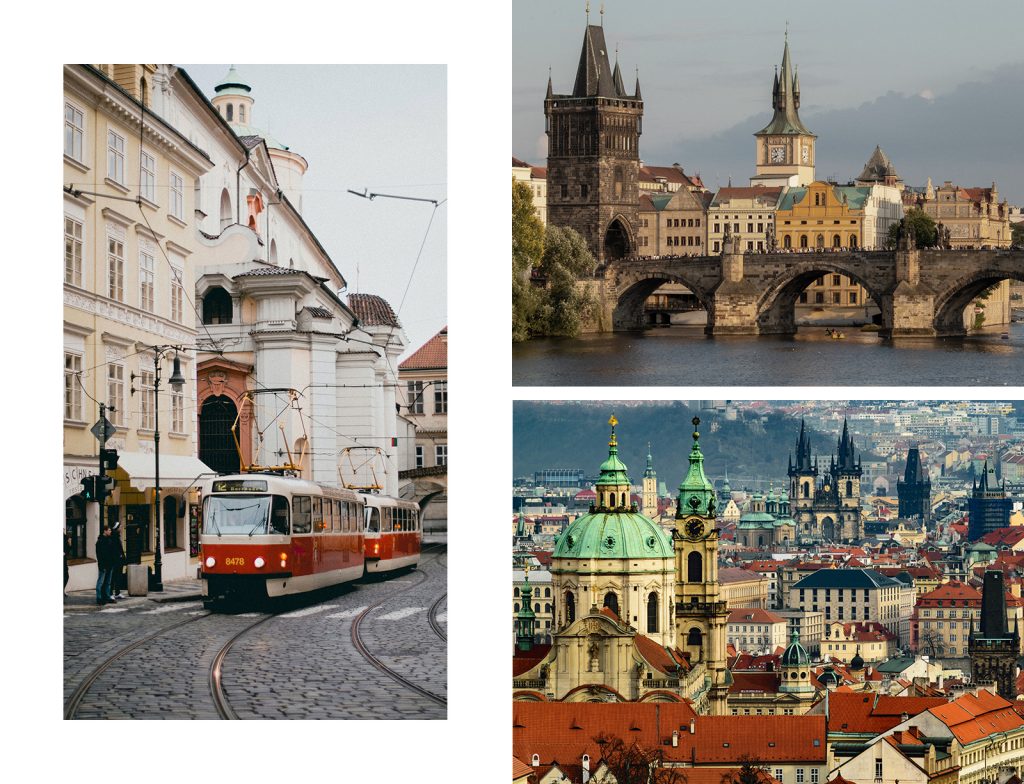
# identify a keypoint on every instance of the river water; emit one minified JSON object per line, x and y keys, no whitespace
{"x":685,"y":356}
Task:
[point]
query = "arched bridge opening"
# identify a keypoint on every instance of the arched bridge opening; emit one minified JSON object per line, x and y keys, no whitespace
{"x":660,"y":299}
{"x":969,"y":304}
{"x":835,"y":294}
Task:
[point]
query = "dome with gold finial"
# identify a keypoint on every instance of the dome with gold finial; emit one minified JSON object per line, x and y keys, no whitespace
{"x":614,"y":528}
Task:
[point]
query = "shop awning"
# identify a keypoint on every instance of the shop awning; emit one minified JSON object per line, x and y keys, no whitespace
{"x":176,"y":471}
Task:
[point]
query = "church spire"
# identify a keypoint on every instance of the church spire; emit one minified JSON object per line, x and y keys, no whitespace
{"x":696,"y":493}
{"x":785,"y":100}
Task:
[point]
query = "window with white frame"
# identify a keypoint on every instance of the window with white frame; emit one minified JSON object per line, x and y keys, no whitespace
{"x":177,"y":294}
{"x":74,"y":131}
{"x":177,"y":411}
{"x":115,"y":268}
{"x":147,"y":186}
{"x":72,"y":389}
{"x":779,"y":774}
{"x":147,"y":274}
{"x":414,"y":389}
{"x":799,"y":776}
{"x":115,"y":157}
{"x":814,"y":776}
{"x":440,"y":397}
{"x":419,"y":456}
{"x":72,"y":251}
{"x":878,"y":767}
{"x":177,"y":196}
{"x":115,"y":393}
{"x":147,"y":408}
{"x":441,"y":454}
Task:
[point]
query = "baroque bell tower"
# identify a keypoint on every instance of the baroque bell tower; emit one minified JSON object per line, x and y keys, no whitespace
{"x":593,"y":153}
{"x":700,"y":613}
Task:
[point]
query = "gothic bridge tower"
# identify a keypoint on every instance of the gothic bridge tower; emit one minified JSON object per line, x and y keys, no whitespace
{"x":593,"y":153}
{"x":701,"y":613}
{"x":992,"y":647}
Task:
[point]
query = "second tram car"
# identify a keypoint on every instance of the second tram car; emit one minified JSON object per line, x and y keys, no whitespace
{"x":271,"y":535}
{"x":392,"y":534}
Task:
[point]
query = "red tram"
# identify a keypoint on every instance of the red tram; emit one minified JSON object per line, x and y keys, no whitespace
{"x":392,"y":534}
{"x":271,"y":535}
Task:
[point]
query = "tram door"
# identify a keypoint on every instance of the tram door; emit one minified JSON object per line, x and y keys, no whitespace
{"x":136,"y":531}
{"x":317,"y":538}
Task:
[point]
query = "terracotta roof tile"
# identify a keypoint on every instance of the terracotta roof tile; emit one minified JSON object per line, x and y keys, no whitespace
{"x":432,"y":355}
{"x":566,"y":731}
{"x":373,"y":311}
{"x":857,"y":712}
{"x":520,"y":768}
{"x":973,"y":717}
{"x":524,"y":661}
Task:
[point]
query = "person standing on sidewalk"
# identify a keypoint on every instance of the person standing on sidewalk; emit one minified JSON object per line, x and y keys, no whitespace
{"x":117,"y":570}
{"x":67,"y":552}
{"x":106,"y":557}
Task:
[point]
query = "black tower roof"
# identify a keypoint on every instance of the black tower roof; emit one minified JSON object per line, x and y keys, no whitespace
{"x":594,"y":75}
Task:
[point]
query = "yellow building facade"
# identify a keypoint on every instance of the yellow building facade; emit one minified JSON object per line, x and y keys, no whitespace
{"x":819,"y":217}
{"x":129,"y":285}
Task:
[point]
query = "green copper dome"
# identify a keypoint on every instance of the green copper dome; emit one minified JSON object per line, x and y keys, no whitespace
{"x":232,"y":84}
{"x":615,"y":530}
{"x":795,"y":654}
{"x":696,"y":493}
{"x":613,"y":535}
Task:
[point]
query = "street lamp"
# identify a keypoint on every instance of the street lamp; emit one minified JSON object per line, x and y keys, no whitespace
{"x":176,"y":381}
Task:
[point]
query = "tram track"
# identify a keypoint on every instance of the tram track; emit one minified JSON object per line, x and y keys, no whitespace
{"x":220,"y":699}
{"x":365,"y":652}
{"x":432,"y":618}
{"x":75,"y":700}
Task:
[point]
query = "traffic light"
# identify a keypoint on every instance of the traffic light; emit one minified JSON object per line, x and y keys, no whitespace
{"x":89,"y":488}
{"x":109,"y":459}
{"x":104,"y":487}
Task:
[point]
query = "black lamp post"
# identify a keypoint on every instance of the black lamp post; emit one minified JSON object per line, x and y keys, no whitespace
{"x":176,"y":381}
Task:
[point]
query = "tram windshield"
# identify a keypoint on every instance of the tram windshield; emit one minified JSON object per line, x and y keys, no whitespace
{"x":372,"y":520}
{"x":245,"y":514}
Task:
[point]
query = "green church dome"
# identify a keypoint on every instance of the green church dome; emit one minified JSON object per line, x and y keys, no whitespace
{"x":613,"y":529}
{"x":795,"y":654}
{"x":613,"y":535}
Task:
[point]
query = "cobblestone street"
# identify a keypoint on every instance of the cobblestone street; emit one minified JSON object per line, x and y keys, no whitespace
{"x":299,"y":661}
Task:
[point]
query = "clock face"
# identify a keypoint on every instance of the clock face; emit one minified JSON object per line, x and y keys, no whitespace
{"x":778,"y":154}
{"x":806,"y":153}
{"x":694,"y":528}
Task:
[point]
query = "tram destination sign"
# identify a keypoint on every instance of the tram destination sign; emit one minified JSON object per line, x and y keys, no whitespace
{"x":104,"y":430}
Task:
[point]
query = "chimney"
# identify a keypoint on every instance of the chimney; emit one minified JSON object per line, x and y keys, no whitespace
{"x":675,"y":738}
{"x":904,"y":717}
{"x":693,"y":726}
{"x":586,"y":768}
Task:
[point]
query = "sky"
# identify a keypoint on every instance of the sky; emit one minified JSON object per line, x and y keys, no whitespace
{"x":359,"y":127}
{"x":932,"y":84}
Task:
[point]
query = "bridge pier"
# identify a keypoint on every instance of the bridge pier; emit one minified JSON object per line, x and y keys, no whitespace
{"x":735,"y":298}
{"x":909,"y":309}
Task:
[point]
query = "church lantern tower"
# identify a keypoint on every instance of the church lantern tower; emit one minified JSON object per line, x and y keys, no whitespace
{"x":795,"y":668}
{"x":803,"y":481}
{"x":785,"y":148}
{"x":700,"y":613}
{"x":593,"y":153}
{"x":526,"y":621}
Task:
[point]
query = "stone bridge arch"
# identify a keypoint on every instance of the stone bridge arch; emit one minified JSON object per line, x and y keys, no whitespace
{"x":633,"y":287}
{"x":776,"y":305}
{"x":959,"y":293}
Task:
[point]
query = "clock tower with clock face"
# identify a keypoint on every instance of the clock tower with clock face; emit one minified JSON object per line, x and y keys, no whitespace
{"x":784,"y":147}
{"x":700,"y":613}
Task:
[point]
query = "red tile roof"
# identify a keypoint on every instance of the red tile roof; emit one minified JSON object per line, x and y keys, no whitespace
{"x":658,"y":656}
{"x":373,"y":311}
{"x":858,"y":712}
{"x":767,"y":682}
{"x":432,"y":355}
{"x":524,"y":661}
{"x":973,"y":717}
{"x":520,"y":768}
{"x":1009,"y":536}
{"x":558,"y":731}
{"x":753,"y":615}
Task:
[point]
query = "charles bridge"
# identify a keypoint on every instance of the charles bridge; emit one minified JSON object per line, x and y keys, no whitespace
{"x":920,"y":292}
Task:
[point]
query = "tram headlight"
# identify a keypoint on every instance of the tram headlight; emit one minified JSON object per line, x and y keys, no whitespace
{"x":376,"y":548}
{"x":211,"y":562}
{"x":284,"y":560}
{"x":258,"y":563}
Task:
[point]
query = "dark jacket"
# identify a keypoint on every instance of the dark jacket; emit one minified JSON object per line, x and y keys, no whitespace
{"x":119,"y":559}
{"x":106,"y":552}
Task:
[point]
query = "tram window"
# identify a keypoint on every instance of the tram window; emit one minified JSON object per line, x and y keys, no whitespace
{"x":279,"y":514}
{"x":355,"y":514}
{"x":301,"y":523}
{"x":372,"y":519}
{"x":328,"y":514}
{"x":318,"y":514}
